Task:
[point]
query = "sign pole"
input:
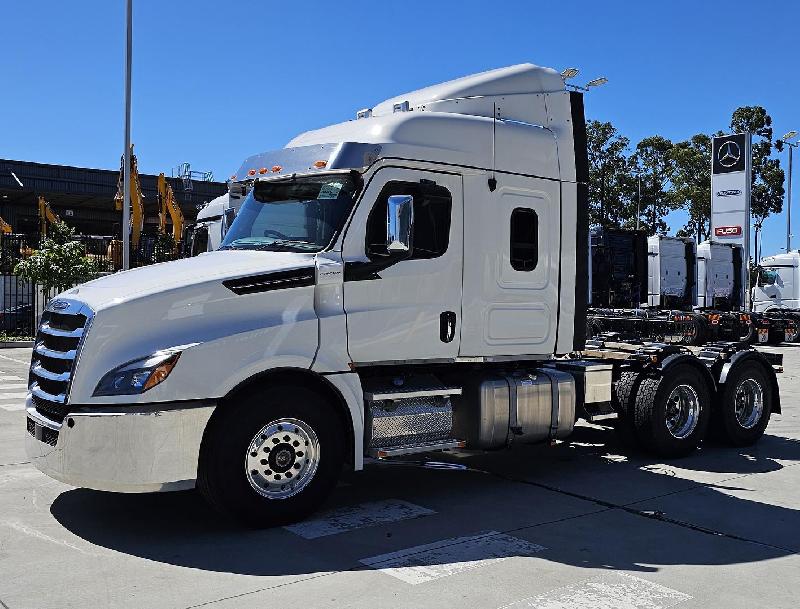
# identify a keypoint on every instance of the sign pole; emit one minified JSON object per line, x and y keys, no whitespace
{"x":126,"y":197}
{"x":789,"y":205}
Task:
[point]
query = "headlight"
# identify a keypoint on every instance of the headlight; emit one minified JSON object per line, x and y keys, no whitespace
{"x":140,"y":375}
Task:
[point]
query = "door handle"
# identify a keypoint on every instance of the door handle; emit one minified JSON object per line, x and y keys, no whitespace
{"x":447,"y":326}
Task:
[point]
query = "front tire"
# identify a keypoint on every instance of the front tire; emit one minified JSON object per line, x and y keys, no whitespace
{"x":672,"y":411}
{"x":273,"y":457}
{"x":746,"y":405}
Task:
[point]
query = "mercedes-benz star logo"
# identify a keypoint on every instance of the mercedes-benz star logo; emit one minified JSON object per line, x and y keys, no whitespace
{"x":729,"y":154}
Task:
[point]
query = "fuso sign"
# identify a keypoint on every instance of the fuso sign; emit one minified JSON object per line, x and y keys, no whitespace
{"x":727,"y":231}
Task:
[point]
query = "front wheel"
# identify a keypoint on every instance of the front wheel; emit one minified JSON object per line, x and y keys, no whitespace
{"x":746,"y":405}
{"x":273,"y":457}
{"x":672,"y":411}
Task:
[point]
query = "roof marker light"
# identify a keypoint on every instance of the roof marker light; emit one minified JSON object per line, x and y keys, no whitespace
{"x":320,"y":164}
{"x":364,"y":113}
{"x":262,"y":171}
{"x":276,"y":168}
{"x":233,"y":176}
{"x":251,"y":172}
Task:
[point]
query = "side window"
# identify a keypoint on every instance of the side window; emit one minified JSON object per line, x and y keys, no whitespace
{"x":524,"y":239}
{"x":432,"y":206}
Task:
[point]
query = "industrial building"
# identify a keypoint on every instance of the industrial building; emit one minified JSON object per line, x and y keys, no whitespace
{"x":84,"y":198}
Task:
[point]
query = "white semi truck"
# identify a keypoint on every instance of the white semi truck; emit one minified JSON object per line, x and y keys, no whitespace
{"x":410,"y":281}
{"x":778,"y":283}
{"x":214,"y":220}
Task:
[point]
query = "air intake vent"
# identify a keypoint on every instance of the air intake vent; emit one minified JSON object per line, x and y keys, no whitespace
{"x":280,"y":280}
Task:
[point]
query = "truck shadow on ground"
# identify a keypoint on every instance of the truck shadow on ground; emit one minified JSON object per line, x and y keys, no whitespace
{"x":585,"y":499}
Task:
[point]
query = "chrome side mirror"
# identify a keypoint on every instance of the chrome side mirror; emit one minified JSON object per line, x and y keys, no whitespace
{"x":399,"y":222}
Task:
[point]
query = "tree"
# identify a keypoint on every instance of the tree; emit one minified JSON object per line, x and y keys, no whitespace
{"x":654,"y":164}
{"x":691,"y":184}
{"x":609,"y":170}
{"x":766,"y":190}
{"x":60,"y":262}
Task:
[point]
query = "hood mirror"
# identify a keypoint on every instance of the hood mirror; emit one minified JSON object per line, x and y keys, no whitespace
{"x":399,"y":224}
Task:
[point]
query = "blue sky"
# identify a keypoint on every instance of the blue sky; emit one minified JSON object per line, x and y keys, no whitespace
{"x":217,"y":81}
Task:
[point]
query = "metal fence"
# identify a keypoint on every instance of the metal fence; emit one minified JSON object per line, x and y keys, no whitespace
{"x":22,"y":302}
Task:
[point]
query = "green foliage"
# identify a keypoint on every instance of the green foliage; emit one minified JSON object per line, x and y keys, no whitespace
{"x":653,"y":162}
{"x":766,"y":191}
{"x":609,"y":171}
{"x":59,"y":263}
{"x":691,"y":184}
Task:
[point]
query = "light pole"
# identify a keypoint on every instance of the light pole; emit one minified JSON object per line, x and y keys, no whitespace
{"x":126,"y":187}
{"x":572,"y":72}
{"x":779,"y":145}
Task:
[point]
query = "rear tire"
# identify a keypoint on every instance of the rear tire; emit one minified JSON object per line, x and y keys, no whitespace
{"x":700,"y":330}
{"x":273,"y":457}
{"x":746,"y":405}
{"x":672,"y":411}
{"x":623,"y":400}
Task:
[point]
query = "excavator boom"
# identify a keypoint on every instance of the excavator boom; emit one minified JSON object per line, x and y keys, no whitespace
{"x":46,"y":216}
{"x":169,"y":206}
{"x":137,"y":208}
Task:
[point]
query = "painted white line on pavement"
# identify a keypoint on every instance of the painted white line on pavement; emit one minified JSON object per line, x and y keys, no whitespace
{"x":23,"y":528}
{"x":17,"y":395}
{"x":20,"y":385}
{"x":433,"y":561}
{"x":10,"y":377}
{"x":609,"y":591}
{"x":15,"y":407}
{"x":358,"y":516}
{"x":19,"y":361}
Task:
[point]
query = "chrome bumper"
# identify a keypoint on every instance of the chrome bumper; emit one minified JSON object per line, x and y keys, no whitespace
{"x":136,"y":451}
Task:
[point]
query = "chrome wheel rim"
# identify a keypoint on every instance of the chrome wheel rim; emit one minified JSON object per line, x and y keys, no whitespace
{"x":748,"y":403}
{"x":682,"y":411}
{"x":282,"y":458}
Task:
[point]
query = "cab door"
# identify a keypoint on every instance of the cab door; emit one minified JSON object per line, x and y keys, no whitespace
{"x":405,"y":307}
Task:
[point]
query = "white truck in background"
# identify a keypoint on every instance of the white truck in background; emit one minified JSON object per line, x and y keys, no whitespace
{"x":214,"y":220}
{"x":778,"y":283}
{"x":411,"y":281}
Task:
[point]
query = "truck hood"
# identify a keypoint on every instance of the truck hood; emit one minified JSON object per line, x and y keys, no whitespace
{"x":210,"y":267}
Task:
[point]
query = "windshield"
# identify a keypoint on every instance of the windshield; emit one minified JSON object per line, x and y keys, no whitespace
{"x":768,"y":276}
{"x":294,"y":215}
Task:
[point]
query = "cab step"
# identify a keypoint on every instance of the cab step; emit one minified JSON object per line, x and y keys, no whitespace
{"x":409,"y":449}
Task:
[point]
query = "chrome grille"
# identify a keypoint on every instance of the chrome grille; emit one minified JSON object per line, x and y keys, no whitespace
{"x":55,"y":352}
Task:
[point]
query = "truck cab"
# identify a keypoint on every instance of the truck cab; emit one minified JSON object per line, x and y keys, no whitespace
{"x":214,"y":220}
{"x":778,"y":282}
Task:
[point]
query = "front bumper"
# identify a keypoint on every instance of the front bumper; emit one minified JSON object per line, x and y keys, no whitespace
{"x":135,"y":449}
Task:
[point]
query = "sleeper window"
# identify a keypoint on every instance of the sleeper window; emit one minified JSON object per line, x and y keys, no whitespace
{"x":524,"y":239}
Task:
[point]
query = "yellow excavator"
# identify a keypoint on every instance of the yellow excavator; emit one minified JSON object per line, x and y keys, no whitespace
{"x":168,"y":205}
{"x":137,"y":207}
{"x":46,"y":216}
